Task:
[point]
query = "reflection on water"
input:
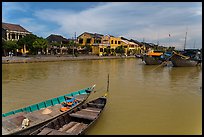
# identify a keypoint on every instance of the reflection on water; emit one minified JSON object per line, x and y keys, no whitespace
{"x":143,"y":99}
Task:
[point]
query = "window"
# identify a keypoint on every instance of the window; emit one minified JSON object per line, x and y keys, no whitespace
{"x":20,"y":36}
{"x":97,"y":41}
{"x":80,"y":41}
{"x":116,"y":42}
{"x":88,"y":41}
{"x":101,"y":49}
{"x":125,"y":46}
{"x":111,"y":41}
{"x":13,"y":36}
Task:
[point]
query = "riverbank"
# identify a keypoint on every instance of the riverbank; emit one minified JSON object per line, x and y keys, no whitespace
{"x":33,"y":59}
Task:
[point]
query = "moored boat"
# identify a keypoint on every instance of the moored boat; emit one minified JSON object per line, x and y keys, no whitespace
{"x":153,"y":58}
{"x":76,"y":121}
{"x":180,"y":60}
{"x":26,"y":120}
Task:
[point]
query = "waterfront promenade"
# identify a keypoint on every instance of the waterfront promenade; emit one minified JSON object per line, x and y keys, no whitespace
{"x":32,"y":59}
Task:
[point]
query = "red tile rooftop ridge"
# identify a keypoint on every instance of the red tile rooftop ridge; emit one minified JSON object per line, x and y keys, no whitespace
{"x":13,"y":27}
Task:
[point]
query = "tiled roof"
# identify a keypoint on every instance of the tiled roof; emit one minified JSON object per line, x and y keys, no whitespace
{"x":57,"y":38}
{"x":13,"y":27}
{"x":96,"y":35}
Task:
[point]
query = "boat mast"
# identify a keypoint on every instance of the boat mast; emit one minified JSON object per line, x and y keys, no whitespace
{"x":185,"y":41}
{"x":194,"y":44}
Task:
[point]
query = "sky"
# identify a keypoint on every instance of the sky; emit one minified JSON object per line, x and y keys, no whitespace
{"x":163,"y":23}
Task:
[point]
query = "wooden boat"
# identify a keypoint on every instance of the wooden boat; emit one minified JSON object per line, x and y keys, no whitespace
{"x":152,"y":58}
{"x":76,"y":121}
{"x":26,"y":120}
{"x":179,"y":60}
{"x":138,"y":55}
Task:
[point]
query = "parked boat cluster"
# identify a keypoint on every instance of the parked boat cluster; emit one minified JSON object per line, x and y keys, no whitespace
{"x":185,"y":58}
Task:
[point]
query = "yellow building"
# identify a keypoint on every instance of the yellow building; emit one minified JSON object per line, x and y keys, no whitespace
{"x":91,"y":39}
{"x":130,"y":47}
{"x":108,"y":45}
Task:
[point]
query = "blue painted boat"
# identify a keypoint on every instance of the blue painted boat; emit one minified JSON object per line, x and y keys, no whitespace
{"x":37,"y":115}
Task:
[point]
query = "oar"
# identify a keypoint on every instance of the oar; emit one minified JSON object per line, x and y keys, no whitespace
{"x":159,"y":65}
{"x":164,"y":61}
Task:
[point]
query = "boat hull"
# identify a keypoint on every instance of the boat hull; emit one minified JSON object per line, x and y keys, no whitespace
{"x":11,"y":124}
{"x":179,"y":61}
{"x":150,"y":60}
{"x":75,"y":122}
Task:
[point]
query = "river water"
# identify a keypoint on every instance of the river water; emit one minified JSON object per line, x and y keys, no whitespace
{"x":142,"y":99}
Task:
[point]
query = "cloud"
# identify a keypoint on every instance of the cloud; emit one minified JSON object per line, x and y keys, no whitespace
{"x":10,"y":8}
{"x":152,"y":21}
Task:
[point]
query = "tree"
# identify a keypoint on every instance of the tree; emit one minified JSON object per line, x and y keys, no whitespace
{"x":40,"y":44}
{"x":120,"y":50}
{"x":87,"y":49}
{"x":10,"y":45}
{"x":4,"y":46}
{"x":27,"y":41}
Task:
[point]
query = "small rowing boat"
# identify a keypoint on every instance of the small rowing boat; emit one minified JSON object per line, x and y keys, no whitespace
{"x":25,"y":120}
{"x":76,"y":121}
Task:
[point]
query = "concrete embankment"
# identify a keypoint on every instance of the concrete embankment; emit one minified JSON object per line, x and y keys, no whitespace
{"x":15,"y":59}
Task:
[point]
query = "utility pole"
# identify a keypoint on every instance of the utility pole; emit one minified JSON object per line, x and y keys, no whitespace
{"x":72,"y":46}
{"x":74,"y":42}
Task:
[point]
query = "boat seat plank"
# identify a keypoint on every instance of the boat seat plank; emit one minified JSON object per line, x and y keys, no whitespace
{"x":67,"y":126}
{"x":77,"y":128}
{"x":77,"y":115}
{"x":50,"y":131}
{"x":91,"y":111}
{"x":93,"y":108}
{"x":45,"y":131}
{"x":95,"y":105}
{"x":84,"y":112}
{"x":56,"y":132}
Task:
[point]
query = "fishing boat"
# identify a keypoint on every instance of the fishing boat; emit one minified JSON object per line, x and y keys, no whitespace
{"x":78,"y":120}
{"x":75,"y":122}
{"x":138,"y":55}
{"x":181,"y":60}
{"x":25,"y":120}
{"x":153,"y":58}
{"x":187,"y":57}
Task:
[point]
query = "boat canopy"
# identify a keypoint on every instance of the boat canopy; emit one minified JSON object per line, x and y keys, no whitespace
{"x":155,"y":54}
